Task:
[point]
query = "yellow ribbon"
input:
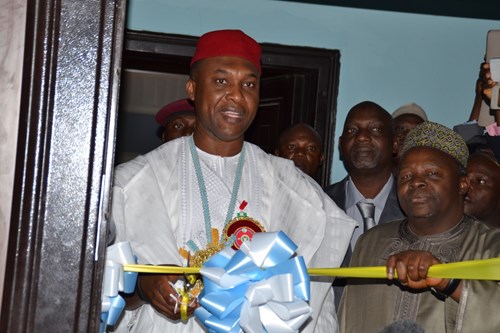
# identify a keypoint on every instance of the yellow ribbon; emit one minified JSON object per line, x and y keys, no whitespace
{"x":484,"y":269}
{"x":184,"y":305}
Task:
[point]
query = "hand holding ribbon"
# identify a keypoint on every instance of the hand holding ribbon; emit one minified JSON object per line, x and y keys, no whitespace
{"x":165,"y":293}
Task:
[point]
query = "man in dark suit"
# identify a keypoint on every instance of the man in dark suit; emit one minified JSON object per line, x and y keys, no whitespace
{"x":366,"y":147}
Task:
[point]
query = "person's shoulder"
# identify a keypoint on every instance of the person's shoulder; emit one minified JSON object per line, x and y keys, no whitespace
{"x":340,"y":185}
{"x":283,"y":163}
{"x":387,"y":229}
{"x":167,"y":151}
{"x":275,"y":163}
{"x":394,"y":224}
{"x":259,"y":152}
{"x":336,"y":191}
{"x":390,"y":225}
{"x":162,"y":155}
{"x":481,"y":228}
{"x":380,"y":236}
{"x":285,"y":172}
{"x":483,"y":236}
{"x":126,"y":171}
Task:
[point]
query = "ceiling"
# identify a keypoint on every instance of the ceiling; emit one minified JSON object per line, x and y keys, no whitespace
{"x":480,"y":9}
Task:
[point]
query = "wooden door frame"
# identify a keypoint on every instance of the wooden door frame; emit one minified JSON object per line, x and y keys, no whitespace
{"x":64,"y":165}
{"x":320,"y":68}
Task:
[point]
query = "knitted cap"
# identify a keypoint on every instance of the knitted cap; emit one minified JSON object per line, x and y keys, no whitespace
{"x":429,"y":134}
{"x":228,"y":43}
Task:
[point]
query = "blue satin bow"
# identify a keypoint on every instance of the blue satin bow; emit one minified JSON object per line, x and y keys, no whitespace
{"x":262,"y":287}
{"x":115,"y":280}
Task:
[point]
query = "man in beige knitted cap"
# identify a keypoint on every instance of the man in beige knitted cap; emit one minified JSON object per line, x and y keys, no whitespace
{"x":431,"y":188}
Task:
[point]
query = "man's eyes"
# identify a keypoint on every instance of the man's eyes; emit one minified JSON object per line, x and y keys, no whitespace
{"x":405,"y":177}
{"x":480,"y":181}
{"x":372,"y":129}
{"x":249,"y":84}
{"x":352,"y":130}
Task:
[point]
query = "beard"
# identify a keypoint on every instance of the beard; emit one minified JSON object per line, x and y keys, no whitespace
{"x":364,"y":159}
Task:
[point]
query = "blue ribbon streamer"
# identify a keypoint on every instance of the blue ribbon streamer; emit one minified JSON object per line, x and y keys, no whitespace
{"x":231,"y":278}
{"x":115,"y":280}
{"x":116,"y":308}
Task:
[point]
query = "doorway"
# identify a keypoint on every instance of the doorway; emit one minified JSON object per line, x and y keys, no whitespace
{"x":298,"y":84}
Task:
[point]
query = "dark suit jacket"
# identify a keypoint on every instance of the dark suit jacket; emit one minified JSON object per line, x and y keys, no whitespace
{"x":391,"y":212}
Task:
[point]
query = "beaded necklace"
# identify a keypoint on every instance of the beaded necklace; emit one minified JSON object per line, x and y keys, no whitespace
{"x":203,"y":190}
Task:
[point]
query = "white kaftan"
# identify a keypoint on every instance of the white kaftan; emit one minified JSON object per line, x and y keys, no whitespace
{"x":156,"y":206}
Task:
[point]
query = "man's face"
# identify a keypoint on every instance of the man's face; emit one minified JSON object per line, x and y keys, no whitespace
{"x":429,"y":185}
{"x":179,"y":125}
{"x":483,"y":198}
{"x":402,"y":125}
{"x":367,"y":140}
{"x":303,"y":147}
{"x":226,"y":93}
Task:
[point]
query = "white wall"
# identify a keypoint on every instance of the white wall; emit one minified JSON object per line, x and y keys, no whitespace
{"x":12,"y":21}
{"x":387,"y":57}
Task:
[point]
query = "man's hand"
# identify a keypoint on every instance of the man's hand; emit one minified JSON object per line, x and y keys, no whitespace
{"x":412,"y":268}
{"x":487,"y":82}
{"x":159,"y":291}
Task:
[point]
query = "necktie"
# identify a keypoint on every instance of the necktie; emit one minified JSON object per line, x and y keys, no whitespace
{"x":367,"y":210}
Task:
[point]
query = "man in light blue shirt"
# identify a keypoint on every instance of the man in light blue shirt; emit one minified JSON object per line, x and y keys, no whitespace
{"x":366,"y":147}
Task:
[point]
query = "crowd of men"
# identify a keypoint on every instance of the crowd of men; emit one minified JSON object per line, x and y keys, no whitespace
{"x":411,"y":199}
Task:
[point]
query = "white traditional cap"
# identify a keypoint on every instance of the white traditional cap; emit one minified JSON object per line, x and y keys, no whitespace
{"x":410,"y":108}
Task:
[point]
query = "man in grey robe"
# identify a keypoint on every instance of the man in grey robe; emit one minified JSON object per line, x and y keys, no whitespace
{"x":431,"y":188}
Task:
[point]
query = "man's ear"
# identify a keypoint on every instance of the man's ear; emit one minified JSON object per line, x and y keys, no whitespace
{"x":395,"y":147}
{"x":322,"y":159}
{"x":190,"y":89}
{"x":464,"y":185}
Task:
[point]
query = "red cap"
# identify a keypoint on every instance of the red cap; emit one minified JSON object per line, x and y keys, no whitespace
{"x":182,"y":105}
{"x":228,"y":43}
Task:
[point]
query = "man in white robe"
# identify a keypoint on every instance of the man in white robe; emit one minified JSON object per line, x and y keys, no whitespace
{"x":157,"y":200}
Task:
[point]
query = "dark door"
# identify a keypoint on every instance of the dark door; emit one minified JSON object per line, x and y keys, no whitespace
{"x":299,"y":84}
{"x":275,"y":111}
{"x":64,"y":163}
